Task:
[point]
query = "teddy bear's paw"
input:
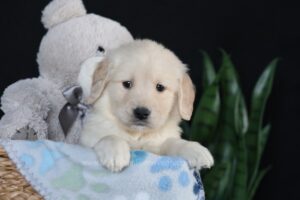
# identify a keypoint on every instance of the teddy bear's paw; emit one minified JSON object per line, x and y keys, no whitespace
{"x":24,"y":124}
{"x":196,"y":155}
{"x":113,"y":153}
{"x":25,"y":133}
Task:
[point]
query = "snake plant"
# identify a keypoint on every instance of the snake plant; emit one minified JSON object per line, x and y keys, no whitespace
{"x":235,"y":136}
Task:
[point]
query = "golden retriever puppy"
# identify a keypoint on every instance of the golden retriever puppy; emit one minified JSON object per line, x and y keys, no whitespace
{"x":139,"y":92}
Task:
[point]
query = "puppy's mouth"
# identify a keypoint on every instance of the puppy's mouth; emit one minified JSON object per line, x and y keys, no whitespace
{"x":140,"y":123}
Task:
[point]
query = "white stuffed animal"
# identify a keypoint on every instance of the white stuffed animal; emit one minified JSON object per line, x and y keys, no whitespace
{"x":32,"y":106}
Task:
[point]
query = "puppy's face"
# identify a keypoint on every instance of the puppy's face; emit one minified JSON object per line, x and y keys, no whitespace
{"x":142,"y":92}
{"x":145,"y":84}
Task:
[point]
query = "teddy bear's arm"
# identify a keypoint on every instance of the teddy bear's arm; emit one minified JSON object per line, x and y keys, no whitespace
{"x":26,"y":108}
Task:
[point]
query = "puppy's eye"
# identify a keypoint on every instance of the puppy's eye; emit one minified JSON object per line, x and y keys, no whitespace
{"x":127,"y":84}
{"x":160,"y":87}
{"x":101,"y":49}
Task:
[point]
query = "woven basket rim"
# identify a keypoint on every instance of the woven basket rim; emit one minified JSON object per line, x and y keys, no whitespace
{"x":12,"y":183}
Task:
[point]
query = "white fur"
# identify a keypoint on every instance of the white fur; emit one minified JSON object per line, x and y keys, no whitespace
{"x":59,"y":11}
{"x":72,"y":37}
{"x":115,"y":158}
{"x":86,"y":74}
{"x":109,"y":127}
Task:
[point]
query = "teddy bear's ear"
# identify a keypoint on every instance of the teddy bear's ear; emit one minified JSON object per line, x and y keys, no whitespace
{"x":58,"y":11}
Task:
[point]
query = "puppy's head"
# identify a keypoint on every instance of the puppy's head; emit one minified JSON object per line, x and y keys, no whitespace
{"x":146,"y":84}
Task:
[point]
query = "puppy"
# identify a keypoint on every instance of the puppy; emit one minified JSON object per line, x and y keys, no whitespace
{"x":139,"y":92}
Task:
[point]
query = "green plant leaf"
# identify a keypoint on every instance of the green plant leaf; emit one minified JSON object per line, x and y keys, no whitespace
{"x":257,"y":181}
{"x":239,"y":188}
{"x":206,"y":116}
{"x":229,"y":94}
{"x":241,"y":116}
{"x":209,"y":74}
{"x":226,"y":137}
{"x":216,"y":181}
{"x":238,"y":142}
{"x":264,"y":133}
{"x":260,"y":95}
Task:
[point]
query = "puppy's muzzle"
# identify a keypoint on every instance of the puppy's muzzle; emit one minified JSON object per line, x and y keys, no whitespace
{"x":141,"y":113}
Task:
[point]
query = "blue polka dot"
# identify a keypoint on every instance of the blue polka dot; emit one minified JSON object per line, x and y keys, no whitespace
{"x":198,"y":180}
{"x":166,"y":163}
{"x":196,"y":189}
{"x":183,"y":179}
{"x":198,"y":184}
{"x":165,"y":183}
{"x":48,"y":161}
{"x":28,"y":160}
{"x":138,"y":157}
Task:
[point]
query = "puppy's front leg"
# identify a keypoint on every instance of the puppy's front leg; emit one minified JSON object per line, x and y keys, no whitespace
{"x":195,"y":154}
{"x":113,"y":153}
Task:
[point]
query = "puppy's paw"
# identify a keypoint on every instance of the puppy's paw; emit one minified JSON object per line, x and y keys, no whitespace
{"x":196,"y":155}
{"x":113,"y":153}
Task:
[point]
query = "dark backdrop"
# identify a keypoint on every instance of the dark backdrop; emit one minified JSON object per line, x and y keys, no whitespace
{"x":253,"y":32}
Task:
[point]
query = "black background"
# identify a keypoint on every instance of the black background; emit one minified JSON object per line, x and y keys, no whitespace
{"x":252,"y":32}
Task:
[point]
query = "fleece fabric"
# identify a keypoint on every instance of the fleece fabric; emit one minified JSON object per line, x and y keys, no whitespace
{"x":60,"y":171}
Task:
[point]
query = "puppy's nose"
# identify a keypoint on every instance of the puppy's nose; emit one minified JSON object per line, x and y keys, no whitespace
{"x":141,"y":113}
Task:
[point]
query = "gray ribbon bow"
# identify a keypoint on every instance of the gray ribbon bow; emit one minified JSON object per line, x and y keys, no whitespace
{"x":72,"y":109}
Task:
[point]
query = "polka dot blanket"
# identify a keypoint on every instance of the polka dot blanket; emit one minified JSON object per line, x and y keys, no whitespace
{"x":61,"y":171}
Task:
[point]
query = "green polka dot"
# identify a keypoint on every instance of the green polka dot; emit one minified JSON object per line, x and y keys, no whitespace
{"x":99,"y":187}
{"x":83,"y":197}
{"x":71,"y":180}
{"x":99,"y":172}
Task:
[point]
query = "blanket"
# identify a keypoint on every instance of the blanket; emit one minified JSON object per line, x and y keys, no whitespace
{"x":60,"y":171}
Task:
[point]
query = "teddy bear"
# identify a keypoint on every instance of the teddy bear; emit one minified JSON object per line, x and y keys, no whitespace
{"x":31,"y":106}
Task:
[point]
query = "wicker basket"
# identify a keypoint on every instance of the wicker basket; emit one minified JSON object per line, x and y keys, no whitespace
{"x":13,"y":185}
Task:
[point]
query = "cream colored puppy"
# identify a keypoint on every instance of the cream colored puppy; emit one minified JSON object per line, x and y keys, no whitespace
{"x":139,"y":92}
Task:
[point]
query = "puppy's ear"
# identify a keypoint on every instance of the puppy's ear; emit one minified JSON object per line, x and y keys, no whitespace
{"x":186,"y":97}
{"x":93,"y":78}
{"x":99,"y":81}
